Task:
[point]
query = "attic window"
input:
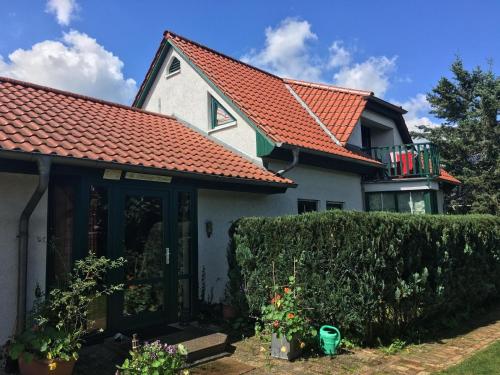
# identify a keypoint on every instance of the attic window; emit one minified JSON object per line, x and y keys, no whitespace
{"x":219,"y":115}
{"x":174,"y":67}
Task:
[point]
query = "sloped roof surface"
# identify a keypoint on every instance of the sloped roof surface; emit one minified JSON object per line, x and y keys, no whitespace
{"x":38,"y":119}
{"x":264,"y":98}
{"x":338,"y":109}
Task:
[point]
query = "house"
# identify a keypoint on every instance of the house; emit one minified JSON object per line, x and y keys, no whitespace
{"x":208,"y":139}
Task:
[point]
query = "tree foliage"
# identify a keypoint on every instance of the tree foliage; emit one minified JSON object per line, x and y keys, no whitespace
{"x":469,"y":140}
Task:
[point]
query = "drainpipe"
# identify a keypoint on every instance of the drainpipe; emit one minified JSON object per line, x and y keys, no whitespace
{"x":295,"y":161}
{"x":43,"y":163}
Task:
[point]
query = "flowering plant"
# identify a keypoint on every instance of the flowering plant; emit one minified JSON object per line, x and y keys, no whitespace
{"x":155,"y":358}
{"x":284,"y":315}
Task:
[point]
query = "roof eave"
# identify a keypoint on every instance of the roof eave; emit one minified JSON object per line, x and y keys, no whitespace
{"x":102,"y":164}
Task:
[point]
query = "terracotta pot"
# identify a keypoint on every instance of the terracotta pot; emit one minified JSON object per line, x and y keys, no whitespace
{"x":41,"y":367}
{"x":228,"y":312}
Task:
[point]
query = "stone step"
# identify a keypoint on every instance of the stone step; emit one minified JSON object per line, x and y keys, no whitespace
{"x":211,"y":345}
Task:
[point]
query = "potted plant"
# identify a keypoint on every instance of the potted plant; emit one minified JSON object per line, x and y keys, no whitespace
{"x":286,"y":321}
{"x":154,"y":358}
{"x":60,"y":322}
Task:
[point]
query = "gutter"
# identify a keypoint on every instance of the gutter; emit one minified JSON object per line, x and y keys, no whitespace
{"x":44,"y":164}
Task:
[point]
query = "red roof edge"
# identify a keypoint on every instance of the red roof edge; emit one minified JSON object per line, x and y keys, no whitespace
{"x":448,"y":178}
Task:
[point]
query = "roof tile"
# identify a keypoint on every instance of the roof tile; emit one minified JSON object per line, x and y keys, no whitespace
{"x":113,"y":133}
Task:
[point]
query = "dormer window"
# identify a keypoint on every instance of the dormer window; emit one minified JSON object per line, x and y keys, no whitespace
{"x":174,"y":67}
{"x":219,"y":115}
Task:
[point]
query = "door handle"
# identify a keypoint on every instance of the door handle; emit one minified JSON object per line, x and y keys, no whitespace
{"x":167,"y":255}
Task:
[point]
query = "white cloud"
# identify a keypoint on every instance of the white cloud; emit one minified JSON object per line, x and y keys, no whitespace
{"x":76,"y":63}
{"x":418,"y":111}
{"x":286,"y":52}
{"x":339,"y":55}
{"x":64,"y":10}
{"x":372,"y":74}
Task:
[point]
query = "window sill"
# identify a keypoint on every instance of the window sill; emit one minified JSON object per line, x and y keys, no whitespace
{"x":170,"y":75}
{"x":222,"y":127}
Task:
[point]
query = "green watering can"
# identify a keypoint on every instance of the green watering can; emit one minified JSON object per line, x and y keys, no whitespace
{"x":329,"y":339}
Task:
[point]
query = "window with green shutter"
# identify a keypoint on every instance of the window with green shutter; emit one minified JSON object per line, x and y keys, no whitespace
{"x":219,"y":115}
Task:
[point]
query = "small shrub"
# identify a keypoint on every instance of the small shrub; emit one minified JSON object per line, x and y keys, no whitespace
{"x":156,"y":359}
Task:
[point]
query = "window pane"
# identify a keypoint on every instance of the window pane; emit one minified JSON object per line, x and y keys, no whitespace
{"x":388,"y":202}
{"x":374,"y":202}
{"x":334,"y":205}
{"x":184,"y":297}
{"x":98,"y":220}
{"x":404,"y":202}
{"x":97,"y":234}
{"x":183,"y":232}
{"x":223,"y":117}
{"x":60,"y":245}
{"x":307,"y":206}
{"x":418,"y":202}
{"x":143,"y":298}
{"x":143,"y":245}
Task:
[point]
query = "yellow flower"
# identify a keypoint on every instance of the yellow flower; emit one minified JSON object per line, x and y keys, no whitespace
{"x":49,"y":356}
{"x":52,"y":366}
{"x":262,"y":349}
{"x":283,"y":349}
{"x":185,"y":372}
{"x":302,"y":345}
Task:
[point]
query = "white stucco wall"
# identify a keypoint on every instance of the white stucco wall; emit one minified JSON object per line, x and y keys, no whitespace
{"x":186,"y":96}
{"x":222,"y":208}
{"x":15,"y":191}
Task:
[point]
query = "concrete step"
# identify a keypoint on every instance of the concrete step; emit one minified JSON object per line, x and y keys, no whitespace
{"x":212,"y":345}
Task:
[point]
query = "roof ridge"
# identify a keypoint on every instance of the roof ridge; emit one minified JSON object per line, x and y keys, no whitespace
{"x":326,"y":86}
{"x":168,"y":32}
{"x":80,"y":96}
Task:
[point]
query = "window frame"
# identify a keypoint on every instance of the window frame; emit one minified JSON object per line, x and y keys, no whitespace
{"x":301,"y":200}
{"x":334,"y":203}
{"x":214,"y":104}
{"x":430,"y":200}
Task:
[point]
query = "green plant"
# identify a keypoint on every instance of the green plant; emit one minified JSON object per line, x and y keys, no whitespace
{"x":285,"y":316}
{"x":154,"y":359}
{"x":59,"y":323}
{"x":375,"y":275}
{"x":395,"y":347}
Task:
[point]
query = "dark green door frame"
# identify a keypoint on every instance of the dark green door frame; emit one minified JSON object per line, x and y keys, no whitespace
{"x":115,"y":193}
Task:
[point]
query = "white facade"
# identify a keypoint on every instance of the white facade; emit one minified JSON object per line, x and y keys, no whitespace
{"x":15,"y":191}
{"x":222,"y":208}
{"x":186,"y":95}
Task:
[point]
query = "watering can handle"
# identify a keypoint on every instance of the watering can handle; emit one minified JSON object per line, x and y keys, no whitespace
{"x":335,"y":329}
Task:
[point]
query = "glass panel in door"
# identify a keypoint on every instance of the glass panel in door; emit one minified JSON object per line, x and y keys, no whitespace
{"x":144,"y":250}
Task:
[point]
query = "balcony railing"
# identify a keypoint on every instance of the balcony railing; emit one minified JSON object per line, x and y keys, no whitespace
{"x":410,"y":160}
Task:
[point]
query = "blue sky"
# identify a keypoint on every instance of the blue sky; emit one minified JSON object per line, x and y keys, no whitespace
{"x":399,"y":49}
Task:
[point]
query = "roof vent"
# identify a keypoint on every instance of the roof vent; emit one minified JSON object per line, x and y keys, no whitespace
{"x":175,"y":66}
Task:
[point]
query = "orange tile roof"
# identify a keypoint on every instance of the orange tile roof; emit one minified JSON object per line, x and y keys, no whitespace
{"x":446,"y":177}
{"x":37,"y":119}
{"x":263,"y":97}
{"x":339,"y":109}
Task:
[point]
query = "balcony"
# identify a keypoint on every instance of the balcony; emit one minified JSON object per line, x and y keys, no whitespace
{"x":407,"y":161}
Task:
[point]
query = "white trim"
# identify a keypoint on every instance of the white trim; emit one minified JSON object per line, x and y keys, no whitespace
{"x":222,"y":127}
{"x":169,"y":75}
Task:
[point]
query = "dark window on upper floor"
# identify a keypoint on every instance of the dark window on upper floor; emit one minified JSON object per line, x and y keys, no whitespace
{"x":366,"y":137}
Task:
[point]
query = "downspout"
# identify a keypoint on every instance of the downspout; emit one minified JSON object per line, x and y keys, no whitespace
{"x":43,"y":163}
{"x":295,"y":161}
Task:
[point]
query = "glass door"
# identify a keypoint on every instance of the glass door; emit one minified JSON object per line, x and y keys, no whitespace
{"x":144,"y":243}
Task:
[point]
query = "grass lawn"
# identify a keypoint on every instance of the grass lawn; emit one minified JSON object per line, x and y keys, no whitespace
{"x":486,"y":361}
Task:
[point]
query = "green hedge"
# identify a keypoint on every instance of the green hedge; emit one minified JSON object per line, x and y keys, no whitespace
{"x":374,"y":275}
